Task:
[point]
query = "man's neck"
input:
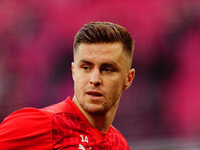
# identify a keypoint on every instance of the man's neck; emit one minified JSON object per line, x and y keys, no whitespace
{"x":102,"y":123}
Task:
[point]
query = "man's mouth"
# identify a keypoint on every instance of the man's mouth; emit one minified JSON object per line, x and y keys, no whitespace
{"x":94,"y":93}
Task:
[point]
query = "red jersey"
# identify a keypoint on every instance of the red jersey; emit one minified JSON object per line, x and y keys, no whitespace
{"x":59,"y":126}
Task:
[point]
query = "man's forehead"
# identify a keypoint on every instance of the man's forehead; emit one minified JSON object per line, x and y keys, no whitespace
{"x":111,"y":53}
{"x":106,"y":49}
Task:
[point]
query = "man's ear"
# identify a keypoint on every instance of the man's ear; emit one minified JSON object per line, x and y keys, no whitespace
{"x":72,"y":67}
{"x":129,"y":79}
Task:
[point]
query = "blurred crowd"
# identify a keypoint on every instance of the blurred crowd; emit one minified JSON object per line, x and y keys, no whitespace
{"x":36,"y":52}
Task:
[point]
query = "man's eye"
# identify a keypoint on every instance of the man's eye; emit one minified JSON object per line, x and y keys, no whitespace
{"x":108,"y":69}
{"x":85,"y":67}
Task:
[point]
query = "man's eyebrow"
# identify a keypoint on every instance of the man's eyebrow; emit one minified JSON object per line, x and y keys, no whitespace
{"x":105,"y":64}
{"x":85,"y":62}
{"x":110,"y":64}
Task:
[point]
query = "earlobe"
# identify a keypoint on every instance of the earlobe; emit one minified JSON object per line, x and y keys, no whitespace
{"x":130,"y":78}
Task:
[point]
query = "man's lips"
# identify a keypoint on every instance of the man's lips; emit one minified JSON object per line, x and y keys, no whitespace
{"x":94,"y":93}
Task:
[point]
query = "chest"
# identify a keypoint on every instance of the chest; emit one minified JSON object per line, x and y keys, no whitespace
{"x":70,"y":132}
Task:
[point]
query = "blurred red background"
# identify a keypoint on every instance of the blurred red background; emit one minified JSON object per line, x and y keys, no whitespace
{"x":36,"y":52}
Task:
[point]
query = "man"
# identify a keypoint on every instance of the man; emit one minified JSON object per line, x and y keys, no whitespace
{"x":101,"y":71}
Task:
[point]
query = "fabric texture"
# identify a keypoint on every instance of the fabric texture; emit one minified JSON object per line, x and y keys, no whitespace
{"x":59,"y":126}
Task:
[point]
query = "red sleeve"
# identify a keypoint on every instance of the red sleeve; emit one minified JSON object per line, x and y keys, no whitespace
{"x":26,"y":129}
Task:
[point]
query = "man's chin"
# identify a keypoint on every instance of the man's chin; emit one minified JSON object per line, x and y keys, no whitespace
{"x":96,"y":111}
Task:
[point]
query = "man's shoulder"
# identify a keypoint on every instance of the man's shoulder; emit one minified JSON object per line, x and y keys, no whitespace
{"x":29,"y":119}
{"x":32,"y":116}
{"x":117,"y":136}
{"x":23,"y":127}
{"x":22,"y":116}
{"x":114,"y":131}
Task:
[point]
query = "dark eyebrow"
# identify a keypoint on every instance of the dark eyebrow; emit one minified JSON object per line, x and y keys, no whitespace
{"x":106,"y":64}
{"x":85,"y":62}
{"x":111,"y":64}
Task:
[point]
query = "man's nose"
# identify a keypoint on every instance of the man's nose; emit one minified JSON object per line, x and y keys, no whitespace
{"x":96,"y":78}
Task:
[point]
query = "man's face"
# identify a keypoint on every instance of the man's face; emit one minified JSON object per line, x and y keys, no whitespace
{"x":100,"y":73}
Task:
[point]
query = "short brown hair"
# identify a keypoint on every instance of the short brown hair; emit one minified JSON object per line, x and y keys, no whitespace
{"x":104,"y":32}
